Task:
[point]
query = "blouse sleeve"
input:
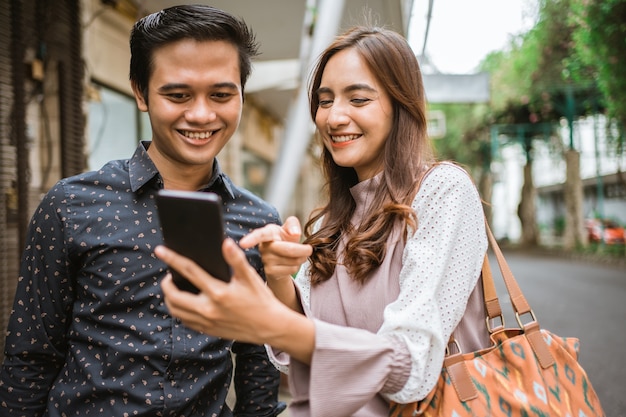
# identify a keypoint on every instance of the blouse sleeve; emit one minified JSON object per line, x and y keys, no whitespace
{"x":279,"y":358}
{"x":442,"y":261}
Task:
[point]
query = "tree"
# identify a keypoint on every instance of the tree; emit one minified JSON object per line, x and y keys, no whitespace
{"x":600,"y":42}
{"x":565,"y":67}
{"x":536,"y":87}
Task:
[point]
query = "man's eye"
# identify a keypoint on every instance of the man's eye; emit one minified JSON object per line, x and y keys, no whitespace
{"x":222,"y":96}
{"x":177,"y":96}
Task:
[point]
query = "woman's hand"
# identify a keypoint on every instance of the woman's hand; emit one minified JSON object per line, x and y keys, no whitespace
{"x":280,"y":247}
{"x":282,"y":255}
{"x":243,"y":309}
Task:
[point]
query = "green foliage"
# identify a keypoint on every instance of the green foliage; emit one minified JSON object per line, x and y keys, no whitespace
{"x":603,"y":252}
{"x":549,"y":53}
{"x":553,"y":33}
{"x":541,"y":77}
{"x":460,"y":143}
{"x":511,"y":72}
{"x":559,"y":226}
{"x":600,"y":42}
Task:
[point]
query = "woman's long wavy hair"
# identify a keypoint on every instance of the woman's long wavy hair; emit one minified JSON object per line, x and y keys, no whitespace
{"x":407,"y":154}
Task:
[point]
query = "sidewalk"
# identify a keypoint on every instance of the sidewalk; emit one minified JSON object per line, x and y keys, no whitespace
{"x":555,"y":251}
{"x":284,"y":396}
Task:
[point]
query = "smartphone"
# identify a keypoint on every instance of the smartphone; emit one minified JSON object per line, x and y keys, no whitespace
{"x":193,"y":225}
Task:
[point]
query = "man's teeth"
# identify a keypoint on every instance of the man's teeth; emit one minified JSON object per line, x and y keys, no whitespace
{"x":345,"y":138}
{"x":198,"y":135}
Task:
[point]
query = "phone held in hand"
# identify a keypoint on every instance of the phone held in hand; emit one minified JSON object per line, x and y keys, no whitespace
{"x":193,"y":226}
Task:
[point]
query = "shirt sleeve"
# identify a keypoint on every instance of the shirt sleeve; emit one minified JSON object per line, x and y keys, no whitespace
{"x":256,"y":382}
{"x":442,"y":261}
{"x":36,"y":334}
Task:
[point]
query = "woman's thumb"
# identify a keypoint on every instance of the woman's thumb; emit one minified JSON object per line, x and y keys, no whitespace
{"x":292,"y":229}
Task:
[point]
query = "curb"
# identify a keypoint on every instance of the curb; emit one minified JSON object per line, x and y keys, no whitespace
{"x":598,"y":259}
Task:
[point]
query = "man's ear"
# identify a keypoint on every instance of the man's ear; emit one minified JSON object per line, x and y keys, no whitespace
{"x":142,"y":102}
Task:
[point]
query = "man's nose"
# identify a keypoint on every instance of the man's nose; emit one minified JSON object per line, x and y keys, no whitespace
{"x":201,"y":111}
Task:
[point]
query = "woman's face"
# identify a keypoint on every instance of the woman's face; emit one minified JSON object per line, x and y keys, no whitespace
{"x":354,"y":114}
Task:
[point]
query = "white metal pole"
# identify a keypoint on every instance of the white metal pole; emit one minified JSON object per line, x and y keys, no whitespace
{"x":299,"y":128}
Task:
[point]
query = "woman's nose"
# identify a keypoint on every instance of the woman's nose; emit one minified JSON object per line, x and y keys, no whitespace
{"x":337,"y":116}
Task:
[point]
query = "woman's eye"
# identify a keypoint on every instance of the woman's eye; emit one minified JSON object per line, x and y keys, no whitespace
{"x":360,"y":101}
{"x":325,"y":103}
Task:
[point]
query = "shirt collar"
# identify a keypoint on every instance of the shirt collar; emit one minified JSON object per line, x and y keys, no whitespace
{"x":142,"y":170}
{"x":220,"y":183}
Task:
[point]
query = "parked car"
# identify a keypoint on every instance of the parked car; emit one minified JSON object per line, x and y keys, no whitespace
{"x":604,"y":230}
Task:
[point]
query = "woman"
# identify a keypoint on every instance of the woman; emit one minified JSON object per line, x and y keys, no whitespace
{"x":390,"y":262}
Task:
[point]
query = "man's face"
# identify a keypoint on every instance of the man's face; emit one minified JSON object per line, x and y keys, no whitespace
{"x":194,"y":103}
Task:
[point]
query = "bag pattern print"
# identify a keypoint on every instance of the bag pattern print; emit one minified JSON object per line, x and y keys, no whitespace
{"x":507,"y":386}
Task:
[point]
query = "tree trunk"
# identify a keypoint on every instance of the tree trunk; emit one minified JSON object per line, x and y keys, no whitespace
{"x":527,"y":210}
{"x":574,"y":234}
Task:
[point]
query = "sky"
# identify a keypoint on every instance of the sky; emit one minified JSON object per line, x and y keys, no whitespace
{"x":463,"y":32}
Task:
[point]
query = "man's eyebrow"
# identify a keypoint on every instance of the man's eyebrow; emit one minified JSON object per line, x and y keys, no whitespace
{"x":227,"y":84}
{"x":172,"y":86}
{"x":348,"y":89}
{"x":178,"y":86}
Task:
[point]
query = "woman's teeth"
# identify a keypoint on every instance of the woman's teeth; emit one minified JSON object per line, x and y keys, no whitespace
{"x":345,"y":138}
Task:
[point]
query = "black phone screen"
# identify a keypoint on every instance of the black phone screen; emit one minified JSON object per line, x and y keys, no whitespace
{"x":193,"y":226}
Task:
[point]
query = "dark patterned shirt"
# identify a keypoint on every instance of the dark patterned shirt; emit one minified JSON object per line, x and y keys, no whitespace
{"x":89,"y":333}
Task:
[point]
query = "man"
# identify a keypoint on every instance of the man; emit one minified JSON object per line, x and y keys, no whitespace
{"x":90,"y":334}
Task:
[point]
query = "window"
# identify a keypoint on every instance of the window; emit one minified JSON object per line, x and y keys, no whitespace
{"x":115,"y":126}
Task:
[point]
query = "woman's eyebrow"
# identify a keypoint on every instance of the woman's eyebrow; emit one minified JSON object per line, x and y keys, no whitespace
{"x":323,"y":90}
{"x":350,"y":88}
{"x":360,"y":86}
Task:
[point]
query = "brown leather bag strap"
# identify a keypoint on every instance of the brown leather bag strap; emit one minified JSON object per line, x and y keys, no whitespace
{"x":456,"y":364}
{"x":490,"y":295}
{"x":520,"y":305}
